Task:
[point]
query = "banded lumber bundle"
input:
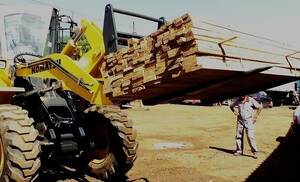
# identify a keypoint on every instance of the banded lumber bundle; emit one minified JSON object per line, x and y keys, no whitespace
{"x":168,"y":60}
{"x":148,"y":61}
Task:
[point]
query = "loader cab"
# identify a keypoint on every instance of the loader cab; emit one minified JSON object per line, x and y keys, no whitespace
{"x":24,"y":28}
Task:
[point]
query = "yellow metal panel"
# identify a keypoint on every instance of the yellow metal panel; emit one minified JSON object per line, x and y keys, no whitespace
{"x":69,"y":73}
{"x":4,"y":78}
{"x":6,"y":89}
{"x":76,"y":76}
{"x":94,"y":36}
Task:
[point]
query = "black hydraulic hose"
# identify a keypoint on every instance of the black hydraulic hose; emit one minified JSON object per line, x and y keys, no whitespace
{"x":17,"y":57}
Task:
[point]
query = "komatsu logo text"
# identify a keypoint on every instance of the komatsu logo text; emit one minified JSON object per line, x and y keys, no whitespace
{"x":44,"y":66}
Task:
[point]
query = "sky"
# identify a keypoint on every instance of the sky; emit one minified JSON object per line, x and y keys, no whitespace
{"x":275,"y":19}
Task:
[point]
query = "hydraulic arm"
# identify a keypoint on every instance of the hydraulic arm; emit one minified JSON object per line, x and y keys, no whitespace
{"x":84,"y":80}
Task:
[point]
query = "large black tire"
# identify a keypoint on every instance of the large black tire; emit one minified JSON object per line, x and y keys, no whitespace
{"x":121,"y":142}
{"x":19,"y":147}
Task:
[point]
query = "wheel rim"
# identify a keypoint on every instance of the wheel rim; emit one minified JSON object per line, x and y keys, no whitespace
{"x":1,"y":157}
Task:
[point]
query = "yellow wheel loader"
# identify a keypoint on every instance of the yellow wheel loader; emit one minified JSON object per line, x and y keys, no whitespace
{"x":54,"y":116}
{"x":56,"y":122}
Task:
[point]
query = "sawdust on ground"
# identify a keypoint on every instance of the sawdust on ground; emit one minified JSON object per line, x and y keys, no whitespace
{"x":194,"y":143}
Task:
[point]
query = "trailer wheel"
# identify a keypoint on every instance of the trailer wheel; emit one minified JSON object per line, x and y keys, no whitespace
{"x":19,"y":147}
{"x":115,"y":142}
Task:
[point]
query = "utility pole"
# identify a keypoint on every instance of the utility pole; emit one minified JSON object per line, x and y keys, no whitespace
{"x":133,"y":28}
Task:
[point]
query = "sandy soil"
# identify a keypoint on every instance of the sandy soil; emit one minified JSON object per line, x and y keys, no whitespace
{"x":193,"y":143}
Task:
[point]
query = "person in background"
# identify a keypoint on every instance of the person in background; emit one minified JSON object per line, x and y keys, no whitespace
{"x":243,"y":109}
{"x":296,"y":122}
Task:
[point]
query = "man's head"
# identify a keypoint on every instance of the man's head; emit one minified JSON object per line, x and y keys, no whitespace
{"x":244,"y":98}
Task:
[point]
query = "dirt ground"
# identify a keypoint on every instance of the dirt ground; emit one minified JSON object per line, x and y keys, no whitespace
{"x":193,"y":143}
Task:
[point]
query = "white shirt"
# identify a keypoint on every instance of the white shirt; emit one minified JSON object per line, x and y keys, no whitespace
{"x":246,"y":109}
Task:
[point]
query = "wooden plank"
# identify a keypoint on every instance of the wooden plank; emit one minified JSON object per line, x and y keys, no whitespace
{"x":166,"y":60}
{"x":149,"y":73}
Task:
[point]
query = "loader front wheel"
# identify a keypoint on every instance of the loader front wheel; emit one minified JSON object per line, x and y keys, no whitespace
{"x":115,"y":142}
{"x":19,"y":148}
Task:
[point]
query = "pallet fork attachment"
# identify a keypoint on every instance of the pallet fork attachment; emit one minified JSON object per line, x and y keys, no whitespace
{"x":112,"y":37}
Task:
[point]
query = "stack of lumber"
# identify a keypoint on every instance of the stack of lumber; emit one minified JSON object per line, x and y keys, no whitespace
{"x":168,"y":60}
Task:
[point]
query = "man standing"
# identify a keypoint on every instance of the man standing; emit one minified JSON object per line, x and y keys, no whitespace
{"x":243,"y":109}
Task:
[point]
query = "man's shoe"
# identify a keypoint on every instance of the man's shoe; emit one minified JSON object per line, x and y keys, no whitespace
{"x":255,"y":155}
{"x":237,"y":153}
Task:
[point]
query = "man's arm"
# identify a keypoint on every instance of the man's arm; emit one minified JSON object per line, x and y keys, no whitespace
{"x":258,"y":107}
{"x":235,"y":103}
{"x":255,"y":104}
{"x":256,"y":115}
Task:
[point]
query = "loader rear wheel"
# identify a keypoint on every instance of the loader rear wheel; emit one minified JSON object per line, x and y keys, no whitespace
{"x":19,"y":148}
{"x":116,"y":150}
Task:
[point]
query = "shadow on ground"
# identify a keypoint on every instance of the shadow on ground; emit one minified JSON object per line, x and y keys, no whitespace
{"x":65,"y":175}
{"x":139,"y":180}
{"x":284,"y":162}
{"x":229,"y":151}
